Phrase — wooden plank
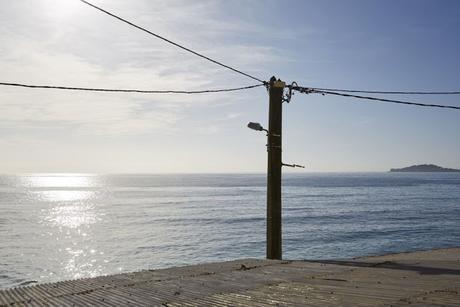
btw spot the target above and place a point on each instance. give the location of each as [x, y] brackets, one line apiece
[416, 279]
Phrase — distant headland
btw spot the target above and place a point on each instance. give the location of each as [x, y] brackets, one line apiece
[425, 168]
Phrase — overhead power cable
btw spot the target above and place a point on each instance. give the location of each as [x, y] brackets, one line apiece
[307, 90]
[172, 43]
[386, 92]
[130, 90]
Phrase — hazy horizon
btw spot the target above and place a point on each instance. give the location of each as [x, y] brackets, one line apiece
[285, 172]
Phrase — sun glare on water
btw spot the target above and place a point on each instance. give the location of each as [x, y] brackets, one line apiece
[70, 216]
[59, 181]
[70, 198]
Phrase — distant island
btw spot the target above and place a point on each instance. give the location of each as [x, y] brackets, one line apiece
[425, 168]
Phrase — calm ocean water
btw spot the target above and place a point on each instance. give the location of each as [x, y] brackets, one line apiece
[56, 227]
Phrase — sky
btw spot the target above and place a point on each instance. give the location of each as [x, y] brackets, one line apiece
[369, 44]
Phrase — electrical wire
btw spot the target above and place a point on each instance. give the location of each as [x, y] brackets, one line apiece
[386, 92]
[173, 43]
[130, 90]
[307, 90]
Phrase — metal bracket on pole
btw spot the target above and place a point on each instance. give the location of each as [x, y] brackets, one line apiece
[293, 165]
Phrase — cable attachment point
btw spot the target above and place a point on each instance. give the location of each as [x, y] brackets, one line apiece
[267, 85]
[293, 165]
[304, 90]
[287, 98]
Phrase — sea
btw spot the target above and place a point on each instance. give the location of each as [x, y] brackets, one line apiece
[66, 226]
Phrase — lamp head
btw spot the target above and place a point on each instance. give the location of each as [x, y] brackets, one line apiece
[256, 126]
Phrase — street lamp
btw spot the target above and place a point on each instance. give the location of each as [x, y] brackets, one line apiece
[257, 127]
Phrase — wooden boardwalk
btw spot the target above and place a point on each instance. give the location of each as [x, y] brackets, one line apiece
[430, 278]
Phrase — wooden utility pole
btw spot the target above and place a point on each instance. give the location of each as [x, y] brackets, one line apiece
[274, 241]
